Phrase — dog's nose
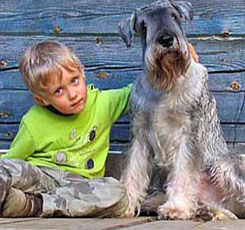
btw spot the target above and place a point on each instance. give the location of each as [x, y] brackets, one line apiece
[166, 40]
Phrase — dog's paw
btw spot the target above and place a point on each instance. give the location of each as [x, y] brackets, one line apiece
[203, 214]
[209, 213]
[169, 211]
[129, 212]
[152, 202]
[223, 214]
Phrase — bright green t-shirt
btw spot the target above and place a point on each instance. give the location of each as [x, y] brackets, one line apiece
[77, 143]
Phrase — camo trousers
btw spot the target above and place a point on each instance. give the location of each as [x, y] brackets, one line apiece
[63, 193]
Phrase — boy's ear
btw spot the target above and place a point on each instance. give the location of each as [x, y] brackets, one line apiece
[40, 100]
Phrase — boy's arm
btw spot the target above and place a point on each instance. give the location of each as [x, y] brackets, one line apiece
[22, 145]
[118, 100]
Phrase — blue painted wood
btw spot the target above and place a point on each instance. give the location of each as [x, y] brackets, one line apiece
[13, 104]
[111, 52]
[117, 78]
[8, 132]
[120, 135]
[90, 28]
[4, 144]
[233, 133]
[102, 16]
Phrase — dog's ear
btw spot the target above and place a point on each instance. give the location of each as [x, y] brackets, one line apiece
[184, 8]
[127, 29]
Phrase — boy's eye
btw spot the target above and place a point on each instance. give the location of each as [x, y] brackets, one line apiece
[75, 80]
[58, 91]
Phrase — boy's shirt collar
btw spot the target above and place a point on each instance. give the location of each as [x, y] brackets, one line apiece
[57, 112]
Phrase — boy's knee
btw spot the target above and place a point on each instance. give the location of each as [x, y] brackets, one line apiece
[5, 182]
[118, 191]
[113, 185]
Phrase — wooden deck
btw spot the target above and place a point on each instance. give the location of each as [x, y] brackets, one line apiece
[139, 223]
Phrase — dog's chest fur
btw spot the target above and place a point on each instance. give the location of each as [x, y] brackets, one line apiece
[168, 115]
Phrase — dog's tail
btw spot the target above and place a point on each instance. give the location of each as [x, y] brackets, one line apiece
[228, 174]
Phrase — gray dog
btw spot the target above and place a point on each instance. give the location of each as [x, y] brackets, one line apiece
[175, 123]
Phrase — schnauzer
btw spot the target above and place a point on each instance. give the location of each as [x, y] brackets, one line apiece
[175, 124]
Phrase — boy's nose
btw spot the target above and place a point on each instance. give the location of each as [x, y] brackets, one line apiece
[71, 94]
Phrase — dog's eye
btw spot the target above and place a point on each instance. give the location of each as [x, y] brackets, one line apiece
[140, 26]
[174, 17]
[143, 25]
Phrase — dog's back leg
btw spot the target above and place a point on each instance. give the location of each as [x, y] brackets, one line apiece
[228, 174]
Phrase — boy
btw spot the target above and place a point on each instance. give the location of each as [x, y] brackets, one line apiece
[57, 160]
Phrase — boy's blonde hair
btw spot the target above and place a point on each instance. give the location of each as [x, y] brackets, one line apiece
[42, 63]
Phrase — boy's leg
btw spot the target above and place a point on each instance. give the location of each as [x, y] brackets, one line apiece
[17, 179]
[24, 176]
[20, 204]
[78, 197]
[63, 194]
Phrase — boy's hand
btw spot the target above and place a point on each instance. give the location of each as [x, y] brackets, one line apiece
[193, 52]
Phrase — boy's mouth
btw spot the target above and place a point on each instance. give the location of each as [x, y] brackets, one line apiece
[79, 102]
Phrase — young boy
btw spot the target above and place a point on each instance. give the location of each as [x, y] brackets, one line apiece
[56, 163]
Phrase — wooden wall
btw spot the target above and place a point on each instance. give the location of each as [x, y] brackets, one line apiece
[90, 28]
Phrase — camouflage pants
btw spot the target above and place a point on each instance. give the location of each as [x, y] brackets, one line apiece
[63, 193]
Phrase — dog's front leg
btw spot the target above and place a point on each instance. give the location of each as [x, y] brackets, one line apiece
[182, 185]
[135, 177]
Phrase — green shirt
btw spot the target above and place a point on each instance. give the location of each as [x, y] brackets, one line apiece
[77, 143]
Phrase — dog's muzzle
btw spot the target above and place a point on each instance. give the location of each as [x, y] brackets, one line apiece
[166, 39]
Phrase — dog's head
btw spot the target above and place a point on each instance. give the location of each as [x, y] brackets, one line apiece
[165, 48]
[154, 21]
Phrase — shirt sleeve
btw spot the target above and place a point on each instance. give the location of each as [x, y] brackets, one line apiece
[118, 100]
[22, 145]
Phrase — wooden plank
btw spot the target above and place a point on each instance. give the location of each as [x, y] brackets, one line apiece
[16, 220]
[222, 82]
[190, 225]
[116, 159]
[102, 16]
[118, 149]
[77, 223]
[139, 223]
[120, 133]
[230, 106]
[116, 162]
[111, 53]
[14, 104]
[117, 78]
[234, 135]
[7, 133]
[12, 107]
[5, 144]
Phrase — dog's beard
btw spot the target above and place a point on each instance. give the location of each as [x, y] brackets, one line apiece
[164, 67]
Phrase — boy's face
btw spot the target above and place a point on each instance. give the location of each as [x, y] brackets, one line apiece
[69, 95]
